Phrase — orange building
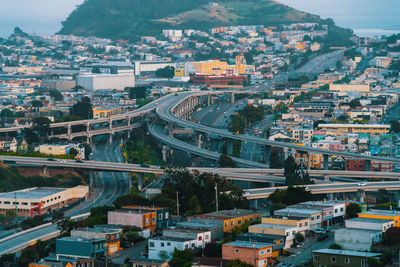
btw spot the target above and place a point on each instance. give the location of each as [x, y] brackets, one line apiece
[255, 253]
[231, 218]
[140, 217]
[382, 214]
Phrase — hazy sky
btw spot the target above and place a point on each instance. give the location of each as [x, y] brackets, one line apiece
[40, 16]
[45, 16]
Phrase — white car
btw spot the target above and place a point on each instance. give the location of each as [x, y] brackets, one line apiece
[361, 184]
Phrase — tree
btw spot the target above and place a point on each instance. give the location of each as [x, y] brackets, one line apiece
[41, 127]
[56, 95]
[137, 92]
[299, 237]
[166, 72]
[83, 109]
[226, 162]
[335, 246]
[395, 126]
[352, 210]
[238, 263]
[213, 249]
[130, 199]
[355, 103]
[37, 104]
[163, 255]
[73, 152]
[275, 160]
[249, 57]
[181, 258]
[133, 237]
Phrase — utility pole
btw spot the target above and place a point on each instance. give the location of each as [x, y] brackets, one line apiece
[177, 203]
[216, 196]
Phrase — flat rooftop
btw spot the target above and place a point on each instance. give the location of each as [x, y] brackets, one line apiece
[32, 193]
[273, 226]
[382, 212]
[230, 213]
[347, 252]
[247, 244]
[369, 220]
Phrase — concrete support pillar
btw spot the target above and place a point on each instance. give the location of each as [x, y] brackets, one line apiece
[110, 138]
[91, 179]
[308, 161]
[272, 184]
[361, 195]
[90, 140]
[326, 162]
[140, 177]
[110, 124]
[254, 203]
[229, 147]
[199, 141]
[87, 128]
[330, 196]
[69, 131]
[232, 98]
[164, 152]
[326, 178]
[129, 123]
[368, 165]
[45, 172]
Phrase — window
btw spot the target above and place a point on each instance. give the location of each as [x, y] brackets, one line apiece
[147, 220]
[269, 250]
[186, 246]
[168, 244]
[316, 258]
[226, 224]
[162, 244]
[151, 244]
[341, 209]
[312, 218]
[239, 222]
[166, 215]
[306, 224]
[262, 252]
[333, 259]
[318, 216]
[300, 225]
[192, 245]
[287, 233]
[206, 237]
[236, 250]
[160, 216]
[347, 260]
[232, 223]
[153, 219]
[336, 210]
[200, 238]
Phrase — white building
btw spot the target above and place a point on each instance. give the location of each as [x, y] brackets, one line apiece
[203, 237]
[93, 82]
[167, 245]
[143, 67]
[357, 239]
[369, 224]
[38, 200]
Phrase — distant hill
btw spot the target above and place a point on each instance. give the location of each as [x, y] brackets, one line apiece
[131, 19]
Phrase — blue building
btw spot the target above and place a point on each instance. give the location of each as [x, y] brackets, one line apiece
[79, 247]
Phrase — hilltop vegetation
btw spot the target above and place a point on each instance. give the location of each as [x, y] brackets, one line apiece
[127, 19]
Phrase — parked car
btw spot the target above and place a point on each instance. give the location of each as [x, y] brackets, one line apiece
[322, 237]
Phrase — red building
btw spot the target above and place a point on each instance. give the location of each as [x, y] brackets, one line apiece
[360, 165]
[203, 79]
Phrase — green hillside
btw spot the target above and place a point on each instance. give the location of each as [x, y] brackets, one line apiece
[130, 19]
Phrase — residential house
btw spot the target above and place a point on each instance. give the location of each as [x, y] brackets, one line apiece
[231, 218]
[338, 257]
[255, 253]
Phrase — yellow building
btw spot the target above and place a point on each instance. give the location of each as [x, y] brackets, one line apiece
[231, 218]
[101, 112]
[217, 67]
[53, 149]
[374, 129]
[316, 161]
[363, 88]
[382, 214]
